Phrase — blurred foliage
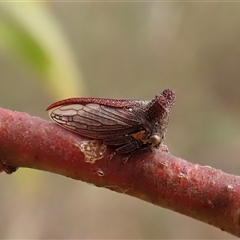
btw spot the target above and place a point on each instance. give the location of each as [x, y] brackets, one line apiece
[125, 50]
[30, 32]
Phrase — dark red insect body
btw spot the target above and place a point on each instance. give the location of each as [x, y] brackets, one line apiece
[130, 125]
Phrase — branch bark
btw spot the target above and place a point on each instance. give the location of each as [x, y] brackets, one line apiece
[200, 192]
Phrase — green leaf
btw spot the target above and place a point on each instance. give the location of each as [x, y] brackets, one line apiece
[30, 32]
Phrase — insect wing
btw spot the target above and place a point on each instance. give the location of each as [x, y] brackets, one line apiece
[95, 120]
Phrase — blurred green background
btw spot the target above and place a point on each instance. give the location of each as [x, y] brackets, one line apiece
[50, 51]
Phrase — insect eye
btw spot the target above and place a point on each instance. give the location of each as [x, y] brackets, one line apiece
[155, 140]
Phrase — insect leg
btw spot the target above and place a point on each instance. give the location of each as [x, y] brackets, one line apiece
[119, 141]
[127, 147]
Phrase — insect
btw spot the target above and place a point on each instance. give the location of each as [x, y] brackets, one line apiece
[132, 126]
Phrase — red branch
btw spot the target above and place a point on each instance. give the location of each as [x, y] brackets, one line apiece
[200, 192]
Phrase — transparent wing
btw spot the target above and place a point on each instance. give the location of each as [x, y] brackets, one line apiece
[95, 120]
